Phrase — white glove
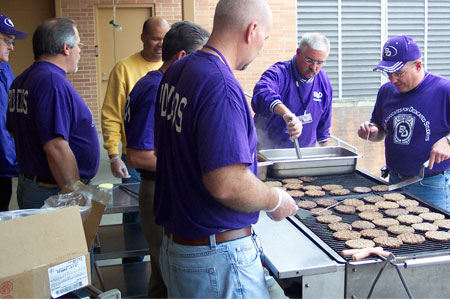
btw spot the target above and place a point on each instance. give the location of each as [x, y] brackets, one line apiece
[118, 168]
[285, 207]
[294, 126]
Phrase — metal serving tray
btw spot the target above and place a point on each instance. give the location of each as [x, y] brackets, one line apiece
[315, 161]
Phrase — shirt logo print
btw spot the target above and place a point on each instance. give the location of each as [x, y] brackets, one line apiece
[403, 128]
[317, 96]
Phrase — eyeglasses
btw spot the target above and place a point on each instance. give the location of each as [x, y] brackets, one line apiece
[397, 74]
[312, 61]
[80, 45]
[8, 41]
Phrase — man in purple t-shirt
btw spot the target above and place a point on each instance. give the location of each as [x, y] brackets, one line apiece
[182, 39]
[207, 195]
[295, 89]
[412, 115]
[53, 129]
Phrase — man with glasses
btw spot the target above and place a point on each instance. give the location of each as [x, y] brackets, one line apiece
[294, 97]
[8, 163]
[55, 135]
[412, 115]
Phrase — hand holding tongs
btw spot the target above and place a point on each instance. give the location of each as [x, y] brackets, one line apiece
[289, 118]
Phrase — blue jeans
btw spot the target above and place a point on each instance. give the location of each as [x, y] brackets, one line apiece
[435, 190]
[32, 194]
[228, 270]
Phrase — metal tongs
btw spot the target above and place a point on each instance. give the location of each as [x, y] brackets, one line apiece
[388, 257]
[303, 213]
[410, 180]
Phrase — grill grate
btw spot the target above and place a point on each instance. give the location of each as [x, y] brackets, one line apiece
[349, 181]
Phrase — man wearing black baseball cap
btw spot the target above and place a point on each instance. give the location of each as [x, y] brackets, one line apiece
[412, 115]
[8, 163]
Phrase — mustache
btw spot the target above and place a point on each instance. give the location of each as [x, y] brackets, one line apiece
[312, 71]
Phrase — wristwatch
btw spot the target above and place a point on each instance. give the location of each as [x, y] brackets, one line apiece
[448, 138]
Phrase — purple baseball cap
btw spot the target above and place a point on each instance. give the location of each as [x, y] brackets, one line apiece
[397, 51]
[7, 27]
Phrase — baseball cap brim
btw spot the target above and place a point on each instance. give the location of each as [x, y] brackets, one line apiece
[389, 66]
[19, 35]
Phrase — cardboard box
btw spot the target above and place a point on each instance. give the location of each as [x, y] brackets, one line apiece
[43, 255]
[92, 222]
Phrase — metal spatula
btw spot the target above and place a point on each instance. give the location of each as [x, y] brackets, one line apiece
[410, 180]
[303, 213]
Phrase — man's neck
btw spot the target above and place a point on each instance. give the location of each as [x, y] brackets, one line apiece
[56, 60]
[149, 58]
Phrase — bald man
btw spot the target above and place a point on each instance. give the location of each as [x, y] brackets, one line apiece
[207, 194]
[121, 81]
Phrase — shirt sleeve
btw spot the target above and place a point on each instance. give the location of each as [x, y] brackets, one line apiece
[53, 113]
[113, 110]
[323, 127]
[266, 94]
[224, 128]
[140, 116]
[377, 110]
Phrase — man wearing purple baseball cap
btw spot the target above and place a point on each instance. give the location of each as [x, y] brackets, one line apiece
[8, 163]
[412, 115]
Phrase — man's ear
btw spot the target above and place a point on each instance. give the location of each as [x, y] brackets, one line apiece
[65, 49]
[250, 32]
[180, 54]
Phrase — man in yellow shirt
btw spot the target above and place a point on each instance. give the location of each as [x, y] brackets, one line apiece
[121, 81]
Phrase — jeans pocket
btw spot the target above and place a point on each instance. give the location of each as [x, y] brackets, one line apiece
[435, 182]
[195, 282]
[246, 255]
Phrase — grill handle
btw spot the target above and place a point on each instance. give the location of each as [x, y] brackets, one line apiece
[427, 261]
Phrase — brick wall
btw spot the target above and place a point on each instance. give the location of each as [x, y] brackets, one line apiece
[82, 11]
[280, 46]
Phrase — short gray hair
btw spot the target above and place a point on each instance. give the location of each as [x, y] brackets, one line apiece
[316, 41]
[50, 36]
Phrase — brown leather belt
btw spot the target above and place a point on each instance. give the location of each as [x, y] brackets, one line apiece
[50, 180]
[433, 174]
[148, 175]
[222, 237]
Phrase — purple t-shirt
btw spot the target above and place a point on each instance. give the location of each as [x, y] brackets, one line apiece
[139, 116]
[202, 123]
[42, 106]
[8, 162]
[413, 121]
[309, 99]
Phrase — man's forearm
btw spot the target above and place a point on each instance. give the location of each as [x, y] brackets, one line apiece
[281, 109]
[141, 159]
[238, 188]
[62, 162]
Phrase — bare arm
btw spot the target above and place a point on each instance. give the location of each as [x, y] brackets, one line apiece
[62, 162]
[238, 188]
[373, 130]
[142, 159]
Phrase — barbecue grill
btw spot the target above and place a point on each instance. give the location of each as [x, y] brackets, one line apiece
[306, 261]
